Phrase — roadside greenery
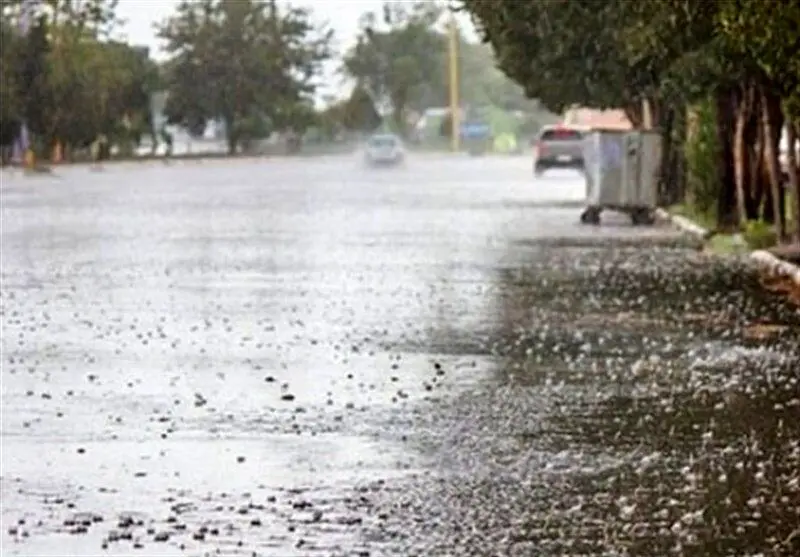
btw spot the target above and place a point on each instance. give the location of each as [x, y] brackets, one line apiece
[251, 64]
[68, 80]
[401, 58]
[720, 80]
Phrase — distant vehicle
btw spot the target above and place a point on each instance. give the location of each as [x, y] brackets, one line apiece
[558, 147]
[384, 150]
[476, 136]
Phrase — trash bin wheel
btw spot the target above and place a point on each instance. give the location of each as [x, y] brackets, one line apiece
[642, 217]
[590, 216]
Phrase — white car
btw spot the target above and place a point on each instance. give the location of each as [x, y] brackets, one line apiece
[384, 150]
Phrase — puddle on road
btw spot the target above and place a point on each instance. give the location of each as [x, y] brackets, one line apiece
[238, 493]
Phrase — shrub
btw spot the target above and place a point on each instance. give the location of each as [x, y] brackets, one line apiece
[760, 235]
[701, 149]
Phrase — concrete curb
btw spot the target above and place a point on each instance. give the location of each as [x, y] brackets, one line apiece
[764, 260]
[683, 224]
[775, 266]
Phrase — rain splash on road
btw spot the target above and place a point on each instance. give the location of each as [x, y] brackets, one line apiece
[312, 358]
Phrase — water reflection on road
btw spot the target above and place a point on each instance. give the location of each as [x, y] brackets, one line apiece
[288, 358]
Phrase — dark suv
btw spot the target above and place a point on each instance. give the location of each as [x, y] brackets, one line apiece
[558, 147]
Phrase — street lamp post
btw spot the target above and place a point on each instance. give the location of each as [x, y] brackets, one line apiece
[455, 116]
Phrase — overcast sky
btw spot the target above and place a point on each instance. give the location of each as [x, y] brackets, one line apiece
[141, 15]
[341, 15]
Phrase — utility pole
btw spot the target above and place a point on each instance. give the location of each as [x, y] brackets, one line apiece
[455, 116]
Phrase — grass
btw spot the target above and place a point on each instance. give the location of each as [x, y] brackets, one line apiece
[706, 219]
[727, 244]
[755, 235]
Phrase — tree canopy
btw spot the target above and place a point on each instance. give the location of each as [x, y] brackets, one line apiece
[242, 60]
[400, 60]
[252, 64]
[66, 79]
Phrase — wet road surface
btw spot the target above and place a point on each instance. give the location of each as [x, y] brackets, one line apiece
[312, 358]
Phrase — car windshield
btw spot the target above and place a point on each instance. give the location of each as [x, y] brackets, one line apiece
[383, 141]
[561, 134]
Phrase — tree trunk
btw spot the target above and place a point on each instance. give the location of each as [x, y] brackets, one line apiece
[771, 122]
[740, 152]
[692, 129]
[679, 129]
[726, 197]
[399, 105]
[651, 113]
[757, 184]
[671, 176]
[792, 171]
[760, 187]
[768, 210]
[633, 111]
[231, 134]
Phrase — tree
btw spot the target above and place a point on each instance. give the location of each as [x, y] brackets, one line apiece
[398, 58]
[67, 80]
[358, 112]
[587, 53]
[110, 81]
[766, 40]
[484, 84]
[10, 100]
[401, 60]
[232, 59]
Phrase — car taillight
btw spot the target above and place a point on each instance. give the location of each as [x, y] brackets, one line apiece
[539, 148]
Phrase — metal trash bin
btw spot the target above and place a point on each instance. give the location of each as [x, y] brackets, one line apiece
[621, 174]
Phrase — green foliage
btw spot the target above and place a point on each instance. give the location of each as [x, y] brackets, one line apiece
[604, 54]
[68, 81]
[546, 48]
[10, 100]
[484, 84]
[701, 151]
[727, 244]
[233, 59]
[398, 58]
[359, 112]
[760, 235]
[253, 126]
[401, 61]
[690, 211]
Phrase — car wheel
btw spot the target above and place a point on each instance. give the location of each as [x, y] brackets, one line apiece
[538, 170]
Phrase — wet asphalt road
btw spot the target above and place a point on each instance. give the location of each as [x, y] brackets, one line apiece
[290, 357]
